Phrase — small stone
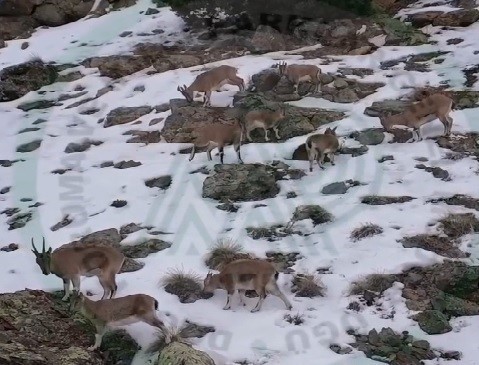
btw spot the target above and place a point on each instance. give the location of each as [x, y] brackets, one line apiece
[126, 164]
[11, 247]
[29, 147]
[162, 182]
[151, 11]
[386, 158]
[118, 203]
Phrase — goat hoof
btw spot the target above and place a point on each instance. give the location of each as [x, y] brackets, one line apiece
[65, 298]
[91, 348]
[254, 310]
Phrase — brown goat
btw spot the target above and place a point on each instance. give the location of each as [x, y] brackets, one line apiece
[212, 80]
[422, 112]
[71, 262]
[246, 274]
[320, 145]
[116, 312]
[218, 135]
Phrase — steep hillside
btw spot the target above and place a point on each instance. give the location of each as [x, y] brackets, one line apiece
[95, 139]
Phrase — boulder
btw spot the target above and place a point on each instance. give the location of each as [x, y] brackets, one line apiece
[17, 7]
[457, 18]
[18, 80]
[185, 118]
[123, 115]
[433, 322]
[245, 182]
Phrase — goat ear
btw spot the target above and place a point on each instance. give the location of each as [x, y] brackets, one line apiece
[178, 88]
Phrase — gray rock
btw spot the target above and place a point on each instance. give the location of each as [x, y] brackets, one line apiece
[125, 115]
[19, 220]
[82, 146]
[126, 164]
[338, 187]
[30, 146]
[267, 39]
[146, 248]
[266, 80]
[386, 106]
[433, 322]
[316, 213]
[162, 182]
[63, 223]
[369, 137]
[245, 182]
[18, 80]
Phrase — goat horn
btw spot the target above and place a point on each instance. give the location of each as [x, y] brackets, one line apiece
[34, 248]
[43, 244]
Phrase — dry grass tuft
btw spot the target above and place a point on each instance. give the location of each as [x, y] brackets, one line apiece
[296, 319]
[186, 285]
[171, 334]
[366, 230]
[177, 277]
[225, 251]
[376, 283]
[307, 285]
[457, 225]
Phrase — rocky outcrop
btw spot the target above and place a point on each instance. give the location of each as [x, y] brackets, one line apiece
[18, 80]
[248, 182]
[457, 18]
[37, 328]
[123, 115]
[185, 118]
[334, 88]
[394, 348]
[439, 292]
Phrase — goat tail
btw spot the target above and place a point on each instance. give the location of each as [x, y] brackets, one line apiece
[156, 305]
[276, 275]
[309, 144]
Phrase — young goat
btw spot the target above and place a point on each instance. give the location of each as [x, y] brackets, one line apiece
[297, 73]
[320, 145]
[71, 262]
[212, 80]
[265, 119]
[246, 274]
[218, 135]
[121, 311]
[428, 109]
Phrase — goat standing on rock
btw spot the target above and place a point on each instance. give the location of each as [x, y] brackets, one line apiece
[212, 80]
[425, 111]
[71, 262]
[297, 73]
[116, 312]
[218, 135]
[265, 119]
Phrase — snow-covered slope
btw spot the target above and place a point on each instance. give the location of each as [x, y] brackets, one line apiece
[194, 223]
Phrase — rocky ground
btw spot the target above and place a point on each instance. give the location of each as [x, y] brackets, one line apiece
[379, 251]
